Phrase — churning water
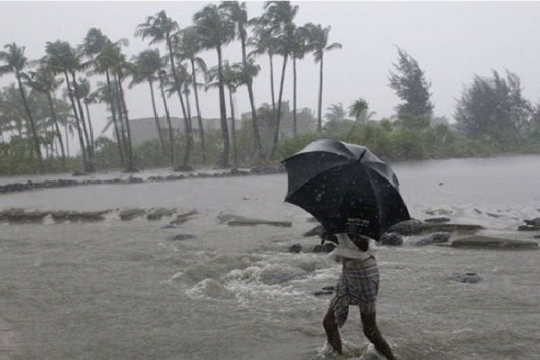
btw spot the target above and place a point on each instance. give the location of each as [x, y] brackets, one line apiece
[126, 290]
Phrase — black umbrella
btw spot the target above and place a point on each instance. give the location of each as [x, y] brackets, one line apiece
[345, 187]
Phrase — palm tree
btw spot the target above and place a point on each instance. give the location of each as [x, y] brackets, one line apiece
[216, 31]
[44, 81]
[318, 43]
[187, 49]
[335, 112]
[61, 58]
[15, 62]
[359, 110]
[162, 28]
[237, 14]
[85, 93]
[298, 51]
[163, 81]
[279, 17]
[146, 67]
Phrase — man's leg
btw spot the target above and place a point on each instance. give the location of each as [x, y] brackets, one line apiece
[332, 332]
[372, 333]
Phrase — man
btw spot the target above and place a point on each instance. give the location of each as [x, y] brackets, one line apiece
[358, 285]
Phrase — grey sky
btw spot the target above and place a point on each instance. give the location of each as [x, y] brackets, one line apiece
[451, 41]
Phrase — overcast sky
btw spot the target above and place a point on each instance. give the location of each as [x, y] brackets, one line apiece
[451, 41]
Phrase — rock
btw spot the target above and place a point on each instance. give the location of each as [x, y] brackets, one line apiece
[236, 172]
[327, 247]
[478, 211]
[268, 169]
[322, 292]
[135, 180]
[4, 214]
[184, 217]
[233, 220]
[435, 212]
[317, 230]
[79, 173]
[157, 214]
[435, 238]
[493, 215]
[25, 217]
[171, 226]
[131, 214]
[295, 248]
[536, 236]
[437, 220]
[87, 215]
[407, 228]
[180, 237]
[528, 228]
[460, 228]
[468, 277]
[391, 239]
[329, 288]
[533, 222]
[487, 242]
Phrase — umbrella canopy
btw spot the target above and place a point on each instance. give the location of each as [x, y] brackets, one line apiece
[345, 187]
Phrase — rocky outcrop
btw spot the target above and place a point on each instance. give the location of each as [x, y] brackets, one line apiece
[234, 220]
[437, 220]
[157, 214]
[391, 239]
[26, 217]
[131, 214]
[487, 242]
[415, 227]
[407, 228]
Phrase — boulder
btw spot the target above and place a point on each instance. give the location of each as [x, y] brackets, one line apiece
[233, 220]
[435, 238]
[533, 222]
[459, 228]
[536, 236]
[437, 220]
[391, 239]
[467, 278]
[528, 228]
[87, 215]
[407, 228]
[131, 214]
[488, 242]
[295, 248]
[327, 247]
[25, 217]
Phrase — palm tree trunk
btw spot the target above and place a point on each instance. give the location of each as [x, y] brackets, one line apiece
[32, 125]
[156, 117]
[77, 122]
[199, 118]
[224, 161]
[58, 133]
[131, 165]
[168, 116]
[121, 118]
[278, 117]
[115, 122]
[294, 97]
[90, 151]
[91, 128]
[233, 129]
[319, 108]
[67, 139]
[254, 120]
[271, 57]
[187, 122]
[188, 108]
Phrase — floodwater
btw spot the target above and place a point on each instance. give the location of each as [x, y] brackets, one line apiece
[125, 290]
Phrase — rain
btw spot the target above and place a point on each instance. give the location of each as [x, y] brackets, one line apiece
[219, 180]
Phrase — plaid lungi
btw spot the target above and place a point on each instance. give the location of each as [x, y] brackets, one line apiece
[358, 285]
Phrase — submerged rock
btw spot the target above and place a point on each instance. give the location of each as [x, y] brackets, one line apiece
[26, 217]
[180, 237]
[487, 242]
[533, 222]
[295, 248]
[184, 217]
[327, 247]
[391, 239]
[131, 214]
[435, 238]
[407, 228]
[157, 214]
[233, 220]
[528, 228]
[468, 277]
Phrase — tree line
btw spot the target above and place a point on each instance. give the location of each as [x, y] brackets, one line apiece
[65, 67]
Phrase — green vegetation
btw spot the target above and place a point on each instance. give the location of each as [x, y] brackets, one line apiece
[49, 101]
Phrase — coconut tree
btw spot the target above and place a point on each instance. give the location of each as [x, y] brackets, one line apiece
[163, 81]
[61, 59]
[44, 81]
[319, 45]
[215, 31]
[14, 61]
[237, 14]
[161, 28]
[188, 48]
[146, 66]
[279, 18]
[360, 111]
[87, 97]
